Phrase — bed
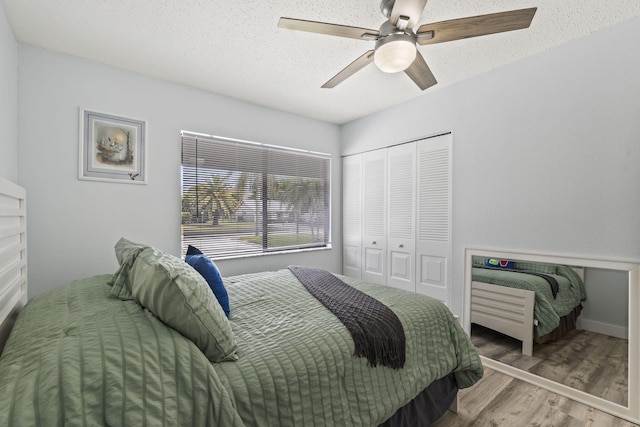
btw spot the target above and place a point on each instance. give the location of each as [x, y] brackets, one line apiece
[13, 255]
[151, 345]
[529, 301]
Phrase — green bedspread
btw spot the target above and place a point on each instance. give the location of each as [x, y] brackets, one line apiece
[79, 356]
[547, 310]
[280, 328]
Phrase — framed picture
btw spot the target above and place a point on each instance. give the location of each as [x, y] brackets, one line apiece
[112, 148]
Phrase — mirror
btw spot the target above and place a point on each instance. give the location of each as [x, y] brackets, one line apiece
[567, 324]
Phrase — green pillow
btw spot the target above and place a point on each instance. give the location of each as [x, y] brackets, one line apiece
[536, 267]
[478, 261]
[180, 297]
[125, 249]
[126, 253]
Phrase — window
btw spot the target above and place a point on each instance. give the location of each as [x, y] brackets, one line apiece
[242, 198]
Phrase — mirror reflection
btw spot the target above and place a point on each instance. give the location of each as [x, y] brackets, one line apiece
[579, 315]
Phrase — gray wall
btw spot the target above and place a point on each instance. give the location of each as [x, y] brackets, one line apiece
[608, 296]
[74, 224]
[546, 151]
[545, 154]
[8, 100]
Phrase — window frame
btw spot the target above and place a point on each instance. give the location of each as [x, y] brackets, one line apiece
[277, 164]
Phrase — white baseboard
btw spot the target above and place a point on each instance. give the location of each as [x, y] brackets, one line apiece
[615, 331]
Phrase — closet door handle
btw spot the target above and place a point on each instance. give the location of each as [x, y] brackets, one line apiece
[374, 242]
[401, 245]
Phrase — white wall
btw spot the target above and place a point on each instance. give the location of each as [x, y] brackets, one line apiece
[74, 224]
[546, 151]
[8, 100]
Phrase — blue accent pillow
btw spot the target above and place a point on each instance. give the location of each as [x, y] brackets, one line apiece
[203, 265]
[501, 263]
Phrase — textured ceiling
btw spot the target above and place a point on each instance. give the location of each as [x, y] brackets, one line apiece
[235, 48]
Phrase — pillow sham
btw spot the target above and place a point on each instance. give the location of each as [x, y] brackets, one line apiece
[208, 269]
[478, 261]
[126, 253]
[536, 267]
[126, 248]
[180, 297]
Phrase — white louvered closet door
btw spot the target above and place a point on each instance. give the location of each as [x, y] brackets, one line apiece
[433, 246]
[374, 212]
[401, 217]
[352, 216]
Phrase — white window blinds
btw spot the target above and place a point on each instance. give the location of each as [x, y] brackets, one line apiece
[241, 198]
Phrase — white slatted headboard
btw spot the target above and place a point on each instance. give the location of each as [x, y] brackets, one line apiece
[13, 255]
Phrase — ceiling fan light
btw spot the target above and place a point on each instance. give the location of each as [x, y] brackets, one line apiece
[395, 56]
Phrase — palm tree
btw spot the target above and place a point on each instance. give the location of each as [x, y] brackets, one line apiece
[304, 195]
[254, 185]
[220, 197]
[215, 198]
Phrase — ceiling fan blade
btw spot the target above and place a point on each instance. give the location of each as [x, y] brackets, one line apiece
[474, 26]
[330, 29]
[412, 9]
[420, 73]
[349, 70]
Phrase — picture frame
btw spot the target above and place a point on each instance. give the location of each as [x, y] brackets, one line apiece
[112, 148]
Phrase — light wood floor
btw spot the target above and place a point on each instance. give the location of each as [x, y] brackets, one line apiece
[499, 400]
[584, 360]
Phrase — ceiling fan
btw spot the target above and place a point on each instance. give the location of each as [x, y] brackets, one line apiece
[395, 49]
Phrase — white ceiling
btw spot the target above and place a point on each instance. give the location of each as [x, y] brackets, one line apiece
[234, 48]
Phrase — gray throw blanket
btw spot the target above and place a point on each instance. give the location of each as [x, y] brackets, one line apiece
[377, 332]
